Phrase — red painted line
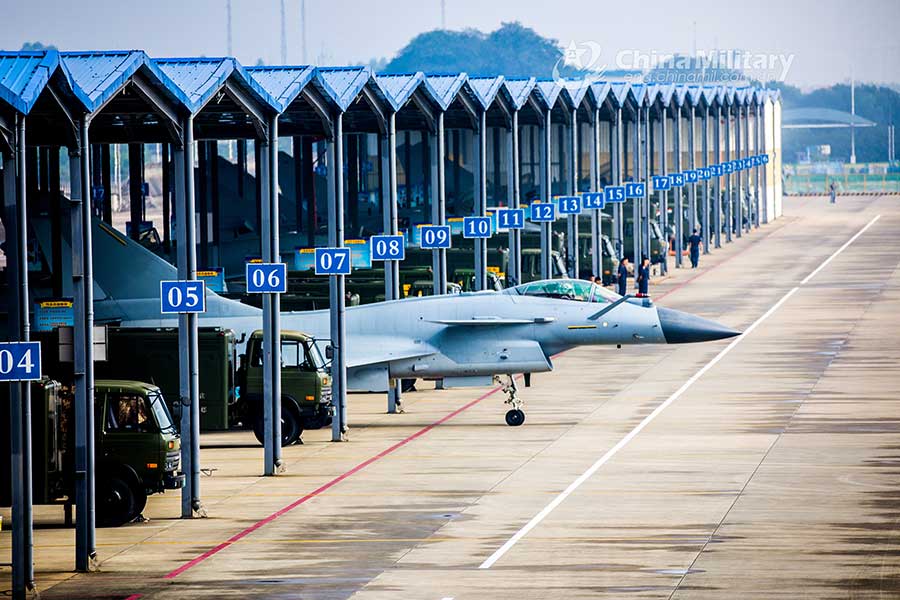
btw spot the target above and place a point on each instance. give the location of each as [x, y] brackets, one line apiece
[303, 499]
[134, 597]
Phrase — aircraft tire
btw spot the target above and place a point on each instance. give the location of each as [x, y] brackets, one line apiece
[515, 417]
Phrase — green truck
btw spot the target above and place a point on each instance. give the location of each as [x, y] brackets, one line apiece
[230, 385]
[137, 451]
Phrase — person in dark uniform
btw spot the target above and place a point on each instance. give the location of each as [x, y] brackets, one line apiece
[622, 276]
[643, 277]
[695, 240]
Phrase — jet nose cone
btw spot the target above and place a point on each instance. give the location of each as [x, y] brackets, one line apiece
[684, 328]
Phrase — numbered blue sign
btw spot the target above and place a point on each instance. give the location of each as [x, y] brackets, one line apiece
[765, 159]
[542, 212]
[181, 297]
[20, 361]
[690, 176]
[716, 170]
[615, 193]
[387, 247]
[477, 227]
[511, 218]
[736, 165]
[677, 179]
[704, 173]
[747, 163]
[569, 205]
[332, 261]
[435, 237]
[634, 189]
[728, 167]
[592, 200]
[661, 183]
[266, 278]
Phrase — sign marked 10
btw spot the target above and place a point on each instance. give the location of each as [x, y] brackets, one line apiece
[477, 227]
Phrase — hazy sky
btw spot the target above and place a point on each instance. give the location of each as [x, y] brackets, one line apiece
[828, 38]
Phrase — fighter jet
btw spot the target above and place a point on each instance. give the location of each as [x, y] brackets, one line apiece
[464, 339]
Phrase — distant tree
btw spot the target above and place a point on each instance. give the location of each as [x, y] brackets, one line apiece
[512, 50]
[37, 46]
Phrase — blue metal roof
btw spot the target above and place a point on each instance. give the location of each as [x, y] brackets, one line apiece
[100, 75]
[24, 75]
[519, 90]
[485, 89]
[601, 91]
[548, 92]
[681, 95]
[640, 93]
[283, 84]
[666, 91]
[620, 91]
[397, 88]
[342, 84]
[577, 89]
[444, 87]
[198, 79]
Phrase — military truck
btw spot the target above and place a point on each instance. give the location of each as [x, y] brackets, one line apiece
[137, 450]
[230, 385]
[305, 386]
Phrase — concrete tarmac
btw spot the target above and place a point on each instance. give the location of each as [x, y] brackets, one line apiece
[775, 472]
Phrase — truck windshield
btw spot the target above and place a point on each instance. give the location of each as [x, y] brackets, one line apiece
[161, 412]
[313, 355]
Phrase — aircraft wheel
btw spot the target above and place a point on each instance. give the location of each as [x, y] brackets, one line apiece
[515, 417]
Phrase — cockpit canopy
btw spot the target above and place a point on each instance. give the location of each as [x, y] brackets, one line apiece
[576, 290]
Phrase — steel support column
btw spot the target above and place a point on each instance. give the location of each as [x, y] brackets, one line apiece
[336, 284]
[645, 199]
[546, 194]
[616, 160]
[717, 181]
[739, 173]
[271, 253]
[389, 215]
[188, 366]
[514, 270]
[636, 226]
[480, 152]
[664, 194]
[597, 214]
[692, 165]
[678, 213]
[765, 175]
[704, 183]
[729, 199]
[750, 212]
[15, 198]
[572, 220]
[439, 204]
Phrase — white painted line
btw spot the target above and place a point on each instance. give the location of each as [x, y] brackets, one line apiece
[839, 250]
[487, 564]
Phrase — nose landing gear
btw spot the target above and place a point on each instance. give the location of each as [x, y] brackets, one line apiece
[515, 416]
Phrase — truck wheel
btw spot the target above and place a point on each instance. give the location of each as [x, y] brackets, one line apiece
[119, 501]
[291, 428]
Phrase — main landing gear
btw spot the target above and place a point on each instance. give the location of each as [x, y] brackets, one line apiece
[515, 416]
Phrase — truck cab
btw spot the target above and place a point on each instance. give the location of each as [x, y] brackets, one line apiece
[305, 385]
[138, 449]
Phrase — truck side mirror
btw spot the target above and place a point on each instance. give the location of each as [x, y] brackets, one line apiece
[329, 352]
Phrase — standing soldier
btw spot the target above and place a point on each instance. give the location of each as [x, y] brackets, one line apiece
[643, 278]
[832, 190]
[695, 240]
[622, 276]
